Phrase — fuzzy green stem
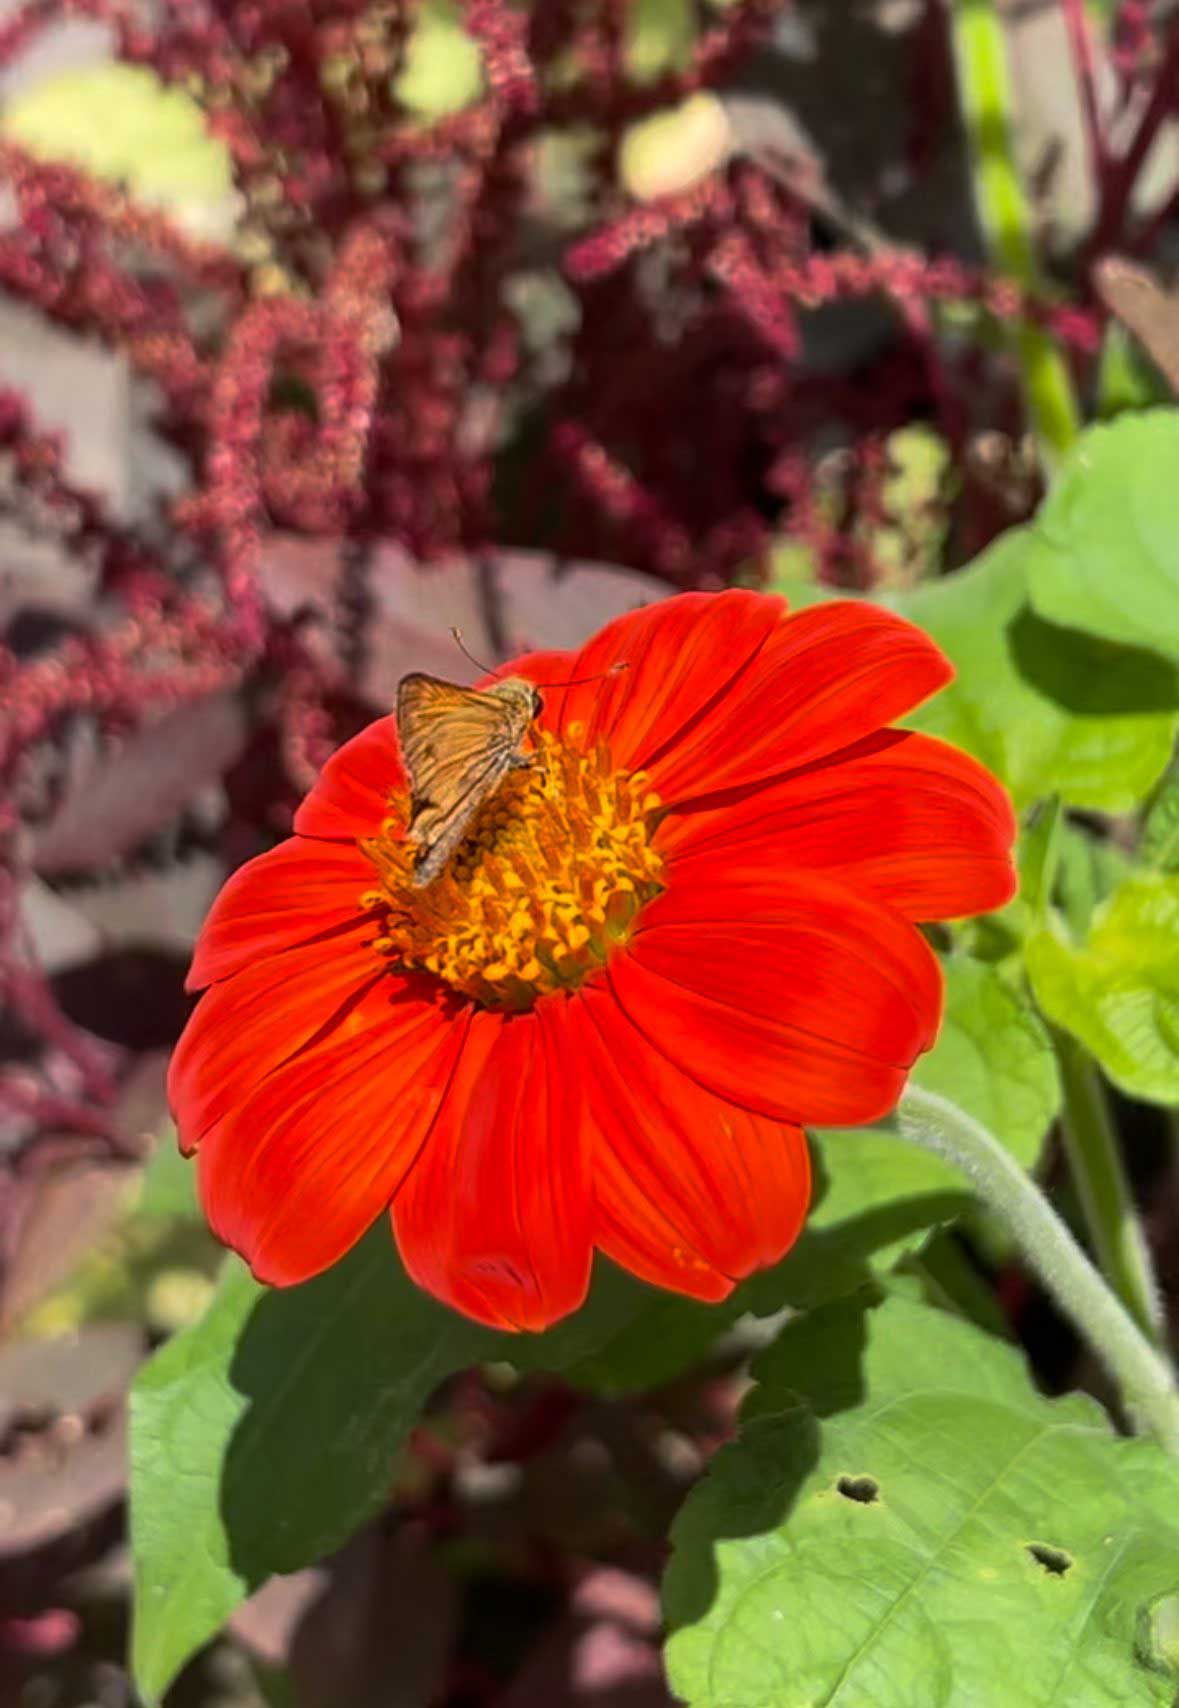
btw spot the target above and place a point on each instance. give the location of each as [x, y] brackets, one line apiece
[1145, 1380]
[1095, 1162]
[984, 86]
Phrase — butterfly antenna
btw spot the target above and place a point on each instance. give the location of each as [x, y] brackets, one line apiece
[457, 636]
[573, 682]
[599, 676]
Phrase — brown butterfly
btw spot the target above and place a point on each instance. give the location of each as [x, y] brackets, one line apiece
[458, 745]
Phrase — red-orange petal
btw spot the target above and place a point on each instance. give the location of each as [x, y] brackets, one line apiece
[787, 994]
[350, 797]
[682, 657]
[827, 677]
[691, 1192]
[908, 819]
[305, 1165]
[244, 1027]
[297, 891]
[494, 1218]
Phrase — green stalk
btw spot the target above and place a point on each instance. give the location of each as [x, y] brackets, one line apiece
[1095, 1162]
[984, 88]
[1144, 1378]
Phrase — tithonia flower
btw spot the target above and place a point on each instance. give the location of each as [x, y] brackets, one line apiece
[686, 931]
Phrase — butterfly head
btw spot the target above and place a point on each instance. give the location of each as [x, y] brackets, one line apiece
[521, 697]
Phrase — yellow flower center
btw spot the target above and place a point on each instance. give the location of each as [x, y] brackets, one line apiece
[546, 883]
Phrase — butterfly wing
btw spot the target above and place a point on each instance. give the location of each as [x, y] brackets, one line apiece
[457, 744]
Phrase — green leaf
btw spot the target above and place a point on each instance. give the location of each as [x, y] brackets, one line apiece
[1039, 856]
[285, 1408]
[875, 1198]
[928, 1531]
[1102, 553]
[937, 1550]
[1160, 834]
[1050, 710]
[263, 1436]
[1090, 869]
[849, 1351]
[993, 1058]
[1119, 993]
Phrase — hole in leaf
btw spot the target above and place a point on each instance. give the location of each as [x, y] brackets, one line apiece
[863, 1489]
[1054, 1560]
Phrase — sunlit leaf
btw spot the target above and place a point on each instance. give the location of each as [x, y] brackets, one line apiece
[1102, 553]
[263, 1436]
[286, 1408]
[852, 1350]
[993, 1058]
[1039, 856]
[1119, 992]
[1090, 868]
[927, 1532]
[1049, 709]
[1160, 834]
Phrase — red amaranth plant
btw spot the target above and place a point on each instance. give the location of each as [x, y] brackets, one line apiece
[357, 366]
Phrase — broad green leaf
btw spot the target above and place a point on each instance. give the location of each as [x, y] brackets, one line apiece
[927, 1550]
[875, 1197]
[1160, 833]
[263, 1436]
[442, 70]
[1103, 553]
[121, 123]
[944, 1271]
[849, 1351]
[1119, 993]
[993, 1058]
[869, 1538]
[285, 1409]
[1050, 710]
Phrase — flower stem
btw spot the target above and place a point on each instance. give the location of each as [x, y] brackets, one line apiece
[984, 86]
[1121, 175]
[1079, 27]
[1096, 1166]
[1146, 1381]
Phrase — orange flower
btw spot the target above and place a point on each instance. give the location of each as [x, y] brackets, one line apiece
[687, 932]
